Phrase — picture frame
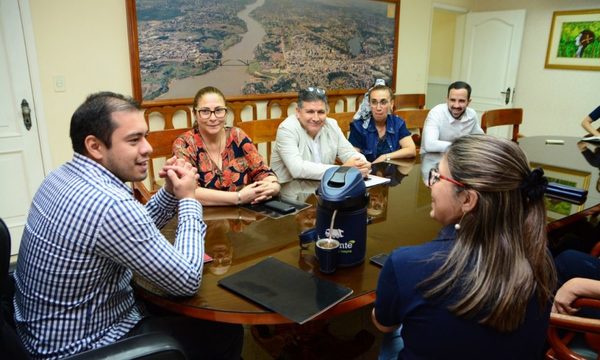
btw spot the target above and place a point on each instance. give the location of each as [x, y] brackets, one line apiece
[177, 47]
[555, 208]
[574, 40]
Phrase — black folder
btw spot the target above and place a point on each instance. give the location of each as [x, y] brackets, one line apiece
[298, 295]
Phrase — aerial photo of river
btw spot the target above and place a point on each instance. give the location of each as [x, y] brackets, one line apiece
[231, 77]
[263, 46]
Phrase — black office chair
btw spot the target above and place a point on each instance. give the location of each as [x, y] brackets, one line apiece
[153, 346]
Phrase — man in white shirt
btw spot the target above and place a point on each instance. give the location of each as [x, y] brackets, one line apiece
[447, 122]
[308, 142]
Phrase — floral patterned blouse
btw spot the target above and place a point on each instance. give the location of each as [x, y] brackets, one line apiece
[242, 164]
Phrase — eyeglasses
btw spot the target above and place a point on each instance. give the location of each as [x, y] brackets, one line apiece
[435, 176]
[206, 113]
[315, 90]
[374, 102]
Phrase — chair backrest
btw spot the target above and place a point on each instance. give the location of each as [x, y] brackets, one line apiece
[4, 252]
[10, 344]
[501, 117]
[565, 329]
[344, 119]
[162, 145]
[415, 120]
[415, 101]
[262, 131]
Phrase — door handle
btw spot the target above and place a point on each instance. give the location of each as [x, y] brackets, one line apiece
[26, 112]
[506, 96]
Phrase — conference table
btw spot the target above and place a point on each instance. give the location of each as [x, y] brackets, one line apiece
[398, 215]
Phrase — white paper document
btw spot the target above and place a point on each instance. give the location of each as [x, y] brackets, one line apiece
[373, 180]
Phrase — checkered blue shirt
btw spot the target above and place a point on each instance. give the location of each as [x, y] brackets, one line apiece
[84, 236]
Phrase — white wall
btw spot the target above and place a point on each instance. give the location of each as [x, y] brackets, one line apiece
[413, 43]
[554, 101]
[86, 42]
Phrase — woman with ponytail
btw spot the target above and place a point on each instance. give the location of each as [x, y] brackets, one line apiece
[483, 288]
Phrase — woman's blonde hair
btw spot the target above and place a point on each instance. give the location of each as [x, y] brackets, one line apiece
[500, 256]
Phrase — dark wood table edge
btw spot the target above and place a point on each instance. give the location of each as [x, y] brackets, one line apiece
[250, 318]
[573, 218]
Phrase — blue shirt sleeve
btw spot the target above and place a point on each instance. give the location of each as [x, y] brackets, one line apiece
[595, 115]
[356, 138]
[403, 130]
[388, 297]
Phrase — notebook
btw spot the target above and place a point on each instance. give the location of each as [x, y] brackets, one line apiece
[298, 295]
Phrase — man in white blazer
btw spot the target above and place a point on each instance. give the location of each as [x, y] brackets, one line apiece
[308, 142]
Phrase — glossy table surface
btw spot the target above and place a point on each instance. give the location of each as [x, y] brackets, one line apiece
[399, 216]
[238, 238]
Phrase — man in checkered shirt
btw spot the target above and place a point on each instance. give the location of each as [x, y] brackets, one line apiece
[86, 235]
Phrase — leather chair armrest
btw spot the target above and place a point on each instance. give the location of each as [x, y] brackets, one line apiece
[151, 346]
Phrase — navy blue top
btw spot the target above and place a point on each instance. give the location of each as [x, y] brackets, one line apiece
[429, 330]
[367, 139]
[595, 115]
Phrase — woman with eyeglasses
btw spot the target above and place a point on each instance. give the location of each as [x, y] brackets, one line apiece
[378, 133]
[230, 169]
[483, 289]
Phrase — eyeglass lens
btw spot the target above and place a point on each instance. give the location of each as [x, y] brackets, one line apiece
[374, 102]
[206, 113]
[433, 176]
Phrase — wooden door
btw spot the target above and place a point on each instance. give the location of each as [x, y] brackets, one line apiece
[490, 59]
[20, 154]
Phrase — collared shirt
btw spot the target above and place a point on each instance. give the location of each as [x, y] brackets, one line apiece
[84, 237]
[441, 129]
[292, 156]
[367, 140]
[241, 163]
[316, 148]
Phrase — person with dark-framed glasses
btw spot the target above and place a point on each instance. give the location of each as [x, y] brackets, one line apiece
[308, 142]
[231, 170]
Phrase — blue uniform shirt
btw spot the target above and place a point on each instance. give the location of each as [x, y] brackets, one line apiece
[367, 140]
[429, 329]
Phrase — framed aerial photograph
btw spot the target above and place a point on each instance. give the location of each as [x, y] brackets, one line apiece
[259, 46]
[574, 41]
